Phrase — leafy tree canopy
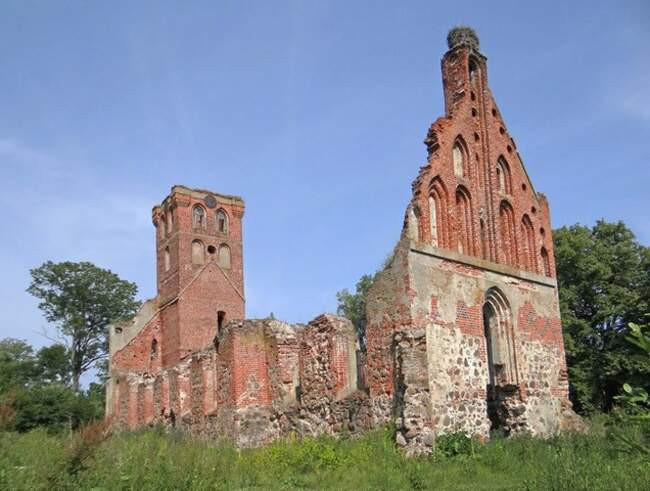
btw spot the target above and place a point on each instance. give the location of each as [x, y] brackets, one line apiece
[18, 365]
[82, 300]
[35, 389]
[604, 284]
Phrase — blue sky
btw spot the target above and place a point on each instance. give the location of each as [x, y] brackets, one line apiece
[314, 112]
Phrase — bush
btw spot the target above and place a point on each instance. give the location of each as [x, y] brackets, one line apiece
[53, 407]
[454, 444]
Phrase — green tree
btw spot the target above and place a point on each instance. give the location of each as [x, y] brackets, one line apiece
[604, 284]
[635, 402]
[82, 300]
[35, 389]
[18, 366]
[353, 306]
[53, 364]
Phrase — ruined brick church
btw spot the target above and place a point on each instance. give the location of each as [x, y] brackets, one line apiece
[463, 323]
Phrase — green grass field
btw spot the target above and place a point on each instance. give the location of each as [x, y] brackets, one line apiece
[154, 459]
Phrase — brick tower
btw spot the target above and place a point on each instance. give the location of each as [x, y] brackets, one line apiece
[200, 282]
[464, 328]
[199, 268]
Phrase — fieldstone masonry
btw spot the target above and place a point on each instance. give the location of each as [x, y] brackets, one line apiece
[463, 324]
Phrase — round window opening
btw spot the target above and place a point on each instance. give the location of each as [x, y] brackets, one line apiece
[212, 249]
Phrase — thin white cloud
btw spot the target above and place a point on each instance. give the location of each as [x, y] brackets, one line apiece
[15, 153]
[80, 214]
[634, 95]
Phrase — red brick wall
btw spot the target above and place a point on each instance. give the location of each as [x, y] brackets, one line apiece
[170, 335]
[473, 118]
[339, 360]
[250, 376]
[546, 330]
[200, 290]
[137, 355]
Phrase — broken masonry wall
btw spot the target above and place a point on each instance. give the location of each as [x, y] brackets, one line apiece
[133, 349]
[330, 401]
[254, 370]
[387, 311]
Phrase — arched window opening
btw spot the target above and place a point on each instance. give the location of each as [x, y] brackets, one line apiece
[222, 222]
[433, 218]
[413, 224]
[507, 228]
[438, 214]
[224, 256]
[504, 179]
[465, 234]
[154, 349]
[500, 347]
[167, 259]
[460, 158]
[163, 222]
[457, 156]
[198, 217]
[483, 239]
[473, 71]
[198, 252]
[546, 262]
[530, 251]
[221, 318]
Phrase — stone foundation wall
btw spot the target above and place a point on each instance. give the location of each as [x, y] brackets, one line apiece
[438, 352]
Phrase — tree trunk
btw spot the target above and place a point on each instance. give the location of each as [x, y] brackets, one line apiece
[75, 380]
[76, 369]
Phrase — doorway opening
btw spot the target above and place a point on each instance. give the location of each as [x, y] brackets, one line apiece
[501, 363]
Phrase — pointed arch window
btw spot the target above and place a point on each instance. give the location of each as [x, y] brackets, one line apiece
[499, 334]
[507, 229]
[546, 262]
[483, 232]
[504, 178]
[224, 256]
[472, 69]
[198, 217]
[465, 230]
[460, 158]
[222, 222]
[198, 252]
[413, 223]
[530, 251]
[433, 219]
[438, 213]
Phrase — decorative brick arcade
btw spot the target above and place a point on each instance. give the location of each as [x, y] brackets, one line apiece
[463, 329]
